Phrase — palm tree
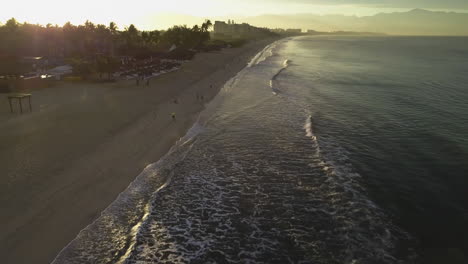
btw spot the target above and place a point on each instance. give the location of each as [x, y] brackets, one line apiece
[10, 39]
[132, 30]
[206, 25]
[113, 28]
[131, 37]
[104, 37]
[113, 31]
[205, 35]
[89, 25]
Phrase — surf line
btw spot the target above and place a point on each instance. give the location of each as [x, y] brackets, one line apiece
[275, 90]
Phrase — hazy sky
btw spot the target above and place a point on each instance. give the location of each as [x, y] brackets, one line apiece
[148, 14]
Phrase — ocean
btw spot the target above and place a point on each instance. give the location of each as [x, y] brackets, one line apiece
[326, 149]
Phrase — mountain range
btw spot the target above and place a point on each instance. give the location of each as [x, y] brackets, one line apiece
[413, 22]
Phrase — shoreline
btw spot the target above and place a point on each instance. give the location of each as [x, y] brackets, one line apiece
[116, 130]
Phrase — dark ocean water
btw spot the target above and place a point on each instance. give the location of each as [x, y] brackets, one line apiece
[322, 150]
[397, 106]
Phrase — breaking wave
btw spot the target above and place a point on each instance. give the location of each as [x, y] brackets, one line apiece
[245, 185]
[274, 89]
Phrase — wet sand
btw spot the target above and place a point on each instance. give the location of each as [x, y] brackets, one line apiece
[82, 145]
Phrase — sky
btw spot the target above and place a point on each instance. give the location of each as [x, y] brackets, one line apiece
[151, 14]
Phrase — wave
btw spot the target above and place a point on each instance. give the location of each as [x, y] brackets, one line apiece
[187, 140]
[262, 55]
[365, 217]
[224, 186]
[218, 197]
[286, 64]
[112, 236]
[267, 52]
[308, 128]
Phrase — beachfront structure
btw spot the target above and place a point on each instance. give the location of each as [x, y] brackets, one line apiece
[279, 30]
[233, 30]
[294, 30]
[35, 62]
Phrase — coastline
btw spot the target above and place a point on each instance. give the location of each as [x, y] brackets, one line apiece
[74, 159]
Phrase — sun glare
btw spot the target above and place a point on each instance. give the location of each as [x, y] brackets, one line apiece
[140, 12]
[151, 14]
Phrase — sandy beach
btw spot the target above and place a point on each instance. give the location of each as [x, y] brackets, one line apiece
[83, 143]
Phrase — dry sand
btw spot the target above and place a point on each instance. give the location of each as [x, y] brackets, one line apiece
[65, 162]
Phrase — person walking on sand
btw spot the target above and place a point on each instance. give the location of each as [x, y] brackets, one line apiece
[173, 116]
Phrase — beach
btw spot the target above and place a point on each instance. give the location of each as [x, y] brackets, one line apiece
[83, 143]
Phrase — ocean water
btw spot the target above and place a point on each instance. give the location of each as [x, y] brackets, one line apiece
[322, 150]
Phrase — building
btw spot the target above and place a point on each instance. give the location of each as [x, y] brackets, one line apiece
[278, 30]
[294, 30]
[233, 30]
[35, 63]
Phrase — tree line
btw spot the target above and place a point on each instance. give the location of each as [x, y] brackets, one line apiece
[91, 43]
[24, 39]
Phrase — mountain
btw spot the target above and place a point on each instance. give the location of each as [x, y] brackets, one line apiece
[414, 22]
[421, 22]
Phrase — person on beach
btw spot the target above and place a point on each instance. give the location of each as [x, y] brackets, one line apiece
[173, 116]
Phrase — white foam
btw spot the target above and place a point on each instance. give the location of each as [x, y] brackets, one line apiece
[274, 89]
[141, 184]
[263, 55]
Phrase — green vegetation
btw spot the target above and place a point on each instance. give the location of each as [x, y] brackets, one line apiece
[11, 66]
[217, 44]
[93, 48]
[235, 43]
